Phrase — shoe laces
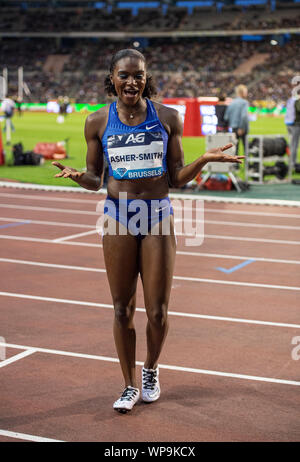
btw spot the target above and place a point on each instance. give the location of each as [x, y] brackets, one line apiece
[128, 394]
[149, 379]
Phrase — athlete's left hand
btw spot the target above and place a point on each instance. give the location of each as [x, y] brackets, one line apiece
[218, 155]
[67, 172]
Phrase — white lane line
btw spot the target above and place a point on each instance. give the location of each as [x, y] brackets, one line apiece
[212, 198]
[74, 236]
[206, 236]
[162, 366]
[17, 357]
[237, 257]
[50, 198]
[68, 199]
[179, 252]
[59, 210]
[50, 223]
[142, 310]
[180, 278]
[237, 200]
[46, 241]
[52, 265]
[26, 437]
[236, 223]
[49, 209]
[249, 239]
[179, 219]
[102, 195]
[253, 213]
[237, 283]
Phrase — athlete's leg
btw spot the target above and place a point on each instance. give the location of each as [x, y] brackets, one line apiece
[157, 258]
[121, 260]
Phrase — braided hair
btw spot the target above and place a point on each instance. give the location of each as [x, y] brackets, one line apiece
[150, 88]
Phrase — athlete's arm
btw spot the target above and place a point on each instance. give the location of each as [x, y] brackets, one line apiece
[92, 178]
[179, 173]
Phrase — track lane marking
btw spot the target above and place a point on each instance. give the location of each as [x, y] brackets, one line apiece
[50, 223]
[180, 278]
[12, 225]
[206, 236]
[237, 257]
[237, 223]
[235, 268]
[179, 219]
[26, 437]
[180, 196]
[142, 310]
[162, 366]
[17, 357]
[179, 252]
[74, 236]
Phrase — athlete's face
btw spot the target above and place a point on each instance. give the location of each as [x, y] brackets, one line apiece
[129, 79]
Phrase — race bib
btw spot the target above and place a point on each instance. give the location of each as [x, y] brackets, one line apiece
[136, 155]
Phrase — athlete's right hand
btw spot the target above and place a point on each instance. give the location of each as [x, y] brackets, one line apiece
[67, 172]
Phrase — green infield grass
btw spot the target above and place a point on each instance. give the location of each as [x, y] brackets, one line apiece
[31, 128]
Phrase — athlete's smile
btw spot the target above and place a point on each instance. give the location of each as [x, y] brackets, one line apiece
[130, 92]
[129, 79]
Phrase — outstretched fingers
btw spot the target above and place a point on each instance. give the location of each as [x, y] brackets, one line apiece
[61, 167]
[57, 164]
[227, 146]
[236, 159]
[67, 172]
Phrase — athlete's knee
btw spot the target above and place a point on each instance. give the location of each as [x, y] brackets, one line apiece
[123, 313]
[158, 315]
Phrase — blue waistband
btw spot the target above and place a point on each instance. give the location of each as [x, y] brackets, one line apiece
[139, 216]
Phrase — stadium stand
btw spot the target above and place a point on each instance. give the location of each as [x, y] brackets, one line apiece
[211, 46]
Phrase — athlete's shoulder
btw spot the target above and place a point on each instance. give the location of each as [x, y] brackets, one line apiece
[169, 117]
[99, 115]
[97, 121]
[162, 108]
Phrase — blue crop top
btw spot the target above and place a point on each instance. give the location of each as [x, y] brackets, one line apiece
[137, 151]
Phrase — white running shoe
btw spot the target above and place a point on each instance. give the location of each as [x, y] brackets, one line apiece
[150, 387]
[127, 400]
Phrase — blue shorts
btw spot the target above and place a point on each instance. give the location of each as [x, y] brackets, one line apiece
[138, 216]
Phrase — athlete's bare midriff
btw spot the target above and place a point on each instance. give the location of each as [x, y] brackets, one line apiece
[148, 188]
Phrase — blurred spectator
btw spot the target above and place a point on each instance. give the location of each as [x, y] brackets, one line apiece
[295, 132]
[289, 118]
[186, 73]
[236, 115]
[221, 107]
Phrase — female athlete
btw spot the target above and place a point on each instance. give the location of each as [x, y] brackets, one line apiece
[142, 143]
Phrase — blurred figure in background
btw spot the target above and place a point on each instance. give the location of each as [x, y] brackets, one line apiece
[18, 104]
[289, 117]
[295, 132]
[61, 103]
[8, 107]
[221, 107]
[236, 115]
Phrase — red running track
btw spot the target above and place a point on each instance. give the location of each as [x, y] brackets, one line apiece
[230, 369]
